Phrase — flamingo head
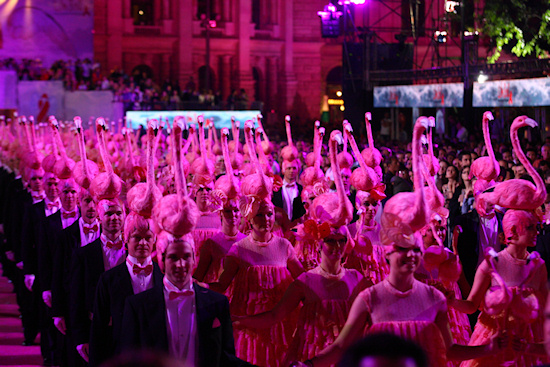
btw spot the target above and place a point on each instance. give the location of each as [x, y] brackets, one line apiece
[488, 116]
[490, 253]
[523, 121]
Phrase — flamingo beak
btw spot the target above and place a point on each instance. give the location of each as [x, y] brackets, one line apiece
[530, 122]
[489, 116]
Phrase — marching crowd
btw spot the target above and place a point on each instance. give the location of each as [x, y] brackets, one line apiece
[224, 248]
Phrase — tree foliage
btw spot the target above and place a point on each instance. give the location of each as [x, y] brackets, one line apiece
[518, 26]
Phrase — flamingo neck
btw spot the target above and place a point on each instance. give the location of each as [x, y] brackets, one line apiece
[341, 192]
[369, 134]
[150, 161]
[226, 159]
[82, 148]
[104, 154]
[288, 133]
[357, 153]
[540, 186]
[489, 144]
[317, 154]
[417, 167]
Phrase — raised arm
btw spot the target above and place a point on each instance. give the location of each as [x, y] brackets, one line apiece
[482, 282]
[230, 269]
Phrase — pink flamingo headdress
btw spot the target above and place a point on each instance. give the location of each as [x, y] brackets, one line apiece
[289, 152]
[333, 207]
[32, 157]
[202, 169]
[518, 193]
[371, 155]
[314, 173]
[266, 145]
[176, 213]
[256, 187]
[143, 196]
[430, 160]
[310, 157]
[345, 160]
[363, 178]
[227, 187]
[84, 170]
[486, 168]
[63, 167]
[405, 213]
[106, 185]
[49, 161]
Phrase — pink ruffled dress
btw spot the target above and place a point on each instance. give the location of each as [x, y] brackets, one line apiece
[373, 266]
[409, 314]
[458, 321]
[513, 271]
[326, 305]
[259, 285]
[208, 225]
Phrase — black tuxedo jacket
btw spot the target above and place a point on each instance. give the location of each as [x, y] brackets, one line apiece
[113, 288]
[33, 236]
[468, 241]
[68, 240]
[47, 249]
[298, 209]
[18, 200]
[144, 326]
[86, 267]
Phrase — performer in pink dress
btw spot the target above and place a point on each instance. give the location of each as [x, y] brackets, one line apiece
[326, 293]
[512, 295]
[368, 255]
[214, 249]
[400, 304]
[263, 266]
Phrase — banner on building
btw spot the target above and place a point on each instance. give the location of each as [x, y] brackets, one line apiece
[512, 93]
[41, 99]
[221, 119]
[425, 95]
[8, 90]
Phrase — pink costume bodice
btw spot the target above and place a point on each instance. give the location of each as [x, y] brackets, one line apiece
[276, 252]
[208, 224]
[409, 314]
[326, 304]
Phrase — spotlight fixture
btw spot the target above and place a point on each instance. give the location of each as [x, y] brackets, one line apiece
[440, 36]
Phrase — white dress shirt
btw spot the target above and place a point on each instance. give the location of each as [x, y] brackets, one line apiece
[86, 238]
[112, 256]
[181, 323]
[37, 196]
[290, 192]
[140, 281]
[51, 207]
[73, 216]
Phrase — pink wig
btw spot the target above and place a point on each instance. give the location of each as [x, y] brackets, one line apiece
[135, 222]
[106, 185]
[103, 206]
[519, 219]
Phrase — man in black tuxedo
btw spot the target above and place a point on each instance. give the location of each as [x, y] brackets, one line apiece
[137, 274]
[87, 265]
[288, 197]
[21, 195]
[83, 231]
[181, 318]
